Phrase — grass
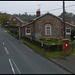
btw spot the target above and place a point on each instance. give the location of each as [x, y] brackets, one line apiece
[53, 41]
[56, 54]
[16, 36]
[50, 42]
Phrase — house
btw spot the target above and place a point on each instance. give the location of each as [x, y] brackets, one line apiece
[16, 21]
[47, 26]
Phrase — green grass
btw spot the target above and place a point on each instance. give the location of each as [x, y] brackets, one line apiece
[6, 29]
[56, 54]
[50, 42]
[71, 41]
[53, 41]
[16, 36]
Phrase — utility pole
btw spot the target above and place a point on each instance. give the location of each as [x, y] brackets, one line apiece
[63, 19]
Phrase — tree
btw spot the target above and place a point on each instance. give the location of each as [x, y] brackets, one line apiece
[4, 18]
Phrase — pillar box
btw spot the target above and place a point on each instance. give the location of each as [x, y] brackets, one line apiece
[66, 50]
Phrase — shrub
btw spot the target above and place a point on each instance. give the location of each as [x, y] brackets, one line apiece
[13, 26]
[73, 34]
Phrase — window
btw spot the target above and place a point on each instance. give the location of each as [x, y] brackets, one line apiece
[48, 29]
[18, 24]
[28, 31]
[14, 19]
[68, 30]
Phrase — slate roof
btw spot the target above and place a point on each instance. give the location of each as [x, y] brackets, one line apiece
[18, 19]
[53, 16]
[46, 14]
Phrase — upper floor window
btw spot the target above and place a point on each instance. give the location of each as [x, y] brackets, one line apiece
[48, 29]
[28, 31]
[68, 30]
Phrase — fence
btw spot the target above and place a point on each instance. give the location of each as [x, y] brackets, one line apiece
[43, 45]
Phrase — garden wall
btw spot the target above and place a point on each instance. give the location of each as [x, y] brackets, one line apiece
[44, 46]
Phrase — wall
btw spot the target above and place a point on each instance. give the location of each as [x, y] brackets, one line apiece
[17, 21]
[41, 27]
[29, 25]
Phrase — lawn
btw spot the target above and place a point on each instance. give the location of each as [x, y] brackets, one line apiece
[54, 42]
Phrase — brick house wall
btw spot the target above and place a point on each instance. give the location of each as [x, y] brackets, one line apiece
[30, 26]
[12, 22]
[38, 27]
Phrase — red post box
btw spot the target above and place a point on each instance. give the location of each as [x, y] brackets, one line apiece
[66, 46]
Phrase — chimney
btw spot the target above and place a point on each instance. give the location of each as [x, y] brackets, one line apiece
[38, 13]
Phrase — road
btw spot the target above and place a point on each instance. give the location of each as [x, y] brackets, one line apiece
[17, 58]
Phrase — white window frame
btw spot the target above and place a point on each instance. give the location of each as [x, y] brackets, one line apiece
[27, 29]
[14, 19]
[46, 26]
[68, 28]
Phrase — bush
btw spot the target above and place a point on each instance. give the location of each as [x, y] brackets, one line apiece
[13, 26]
[73, 34]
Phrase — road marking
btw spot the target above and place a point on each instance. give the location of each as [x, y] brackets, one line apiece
[6, 50]
[3, 43]
[5, 31]
[11, 66]
[16, 66]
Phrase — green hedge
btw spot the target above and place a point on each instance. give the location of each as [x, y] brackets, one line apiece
[73, 34]
[13, 26]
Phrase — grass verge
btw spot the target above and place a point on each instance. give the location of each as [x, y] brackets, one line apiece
[56, 54]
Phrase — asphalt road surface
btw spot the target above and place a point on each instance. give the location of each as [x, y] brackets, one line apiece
[17, 58]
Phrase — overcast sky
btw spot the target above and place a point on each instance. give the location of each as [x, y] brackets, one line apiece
[16, 7]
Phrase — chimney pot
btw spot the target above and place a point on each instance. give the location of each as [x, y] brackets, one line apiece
[38, 13]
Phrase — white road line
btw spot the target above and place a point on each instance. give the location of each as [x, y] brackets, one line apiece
[3, 43]
[6, 50]
[16, 66]
[11, 66]
[5, 31]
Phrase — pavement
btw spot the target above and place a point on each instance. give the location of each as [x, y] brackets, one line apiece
[67, 63]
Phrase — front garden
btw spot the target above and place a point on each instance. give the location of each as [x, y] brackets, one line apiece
[54, 42]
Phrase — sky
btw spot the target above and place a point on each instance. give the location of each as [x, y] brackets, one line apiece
[16, 7]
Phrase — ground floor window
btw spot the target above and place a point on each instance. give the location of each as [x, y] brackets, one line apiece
[48, 29]
[68, 30]
[28, 31]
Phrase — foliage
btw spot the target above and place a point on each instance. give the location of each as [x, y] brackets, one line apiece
[16, 36]
[13, 26]
[50, 42]
[25, 17]
[72, 34]
[4, 18]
